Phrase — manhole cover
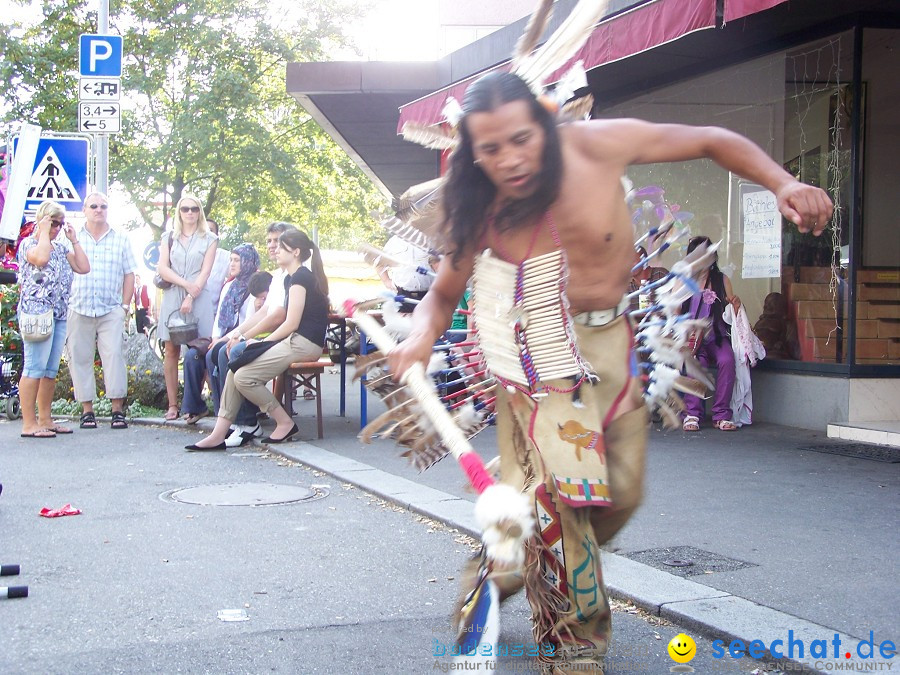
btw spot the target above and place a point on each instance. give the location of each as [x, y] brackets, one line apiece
[243, 494]
[686, 561]
[878, 453]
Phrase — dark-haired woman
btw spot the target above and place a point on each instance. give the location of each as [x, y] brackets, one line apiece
[300, 338]
[715, 346]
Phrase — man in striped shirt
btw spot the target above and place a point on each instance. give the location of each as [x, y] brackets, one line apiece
[97, 311]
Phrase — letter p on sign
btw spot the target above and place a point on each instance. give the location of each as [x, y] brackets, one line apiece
[100, 56]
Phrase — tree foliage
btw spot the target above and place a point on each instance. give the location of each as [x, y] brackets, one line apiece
[205, 110]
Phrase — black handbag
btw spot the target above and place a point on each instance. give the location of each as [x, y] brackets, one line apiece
[158, 281]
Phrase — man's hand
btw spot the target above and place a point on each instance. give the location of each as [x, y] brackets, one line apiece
[413, 349]
[808, 207]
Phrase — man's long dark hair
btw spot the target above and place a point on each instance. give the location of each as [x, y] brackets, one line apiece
[717, 284]
[469, 193]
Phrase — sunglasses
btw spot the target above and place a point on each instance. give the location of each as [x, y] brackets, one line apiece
[99, 206]
[57, 223]
[190, 209]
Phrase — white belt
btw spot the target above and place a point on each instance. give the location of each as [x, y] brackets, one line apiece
[601, 317]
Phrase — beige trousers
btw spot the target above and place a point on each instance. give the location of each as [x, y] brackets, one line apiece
[250, 381]
[86, 335]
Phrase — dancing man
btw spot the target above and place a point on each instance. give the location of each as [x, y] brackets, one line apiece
[520, 187]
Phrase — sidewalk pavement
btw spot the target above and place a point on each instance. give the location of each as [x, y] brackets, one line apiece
[780, 538]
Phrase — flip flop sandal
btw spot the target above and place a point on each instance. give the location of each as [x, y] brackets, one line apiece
[725, 425]
[88, 421]
[56, 428]
[40, 433]
[118, 420]
[193, 418]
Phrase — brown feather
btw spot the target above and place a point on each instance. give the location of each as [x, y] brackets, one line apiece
[688, 385]
[577, 109]
[534, 30]
[376, 425]
[671, 419]
[693, 369]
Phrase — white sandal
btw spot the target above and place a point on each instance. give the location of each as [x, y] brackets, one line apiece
[725, 425]
[691, 423]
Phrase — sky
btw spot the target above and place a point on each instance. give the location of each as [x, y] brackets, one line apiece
[393, 30]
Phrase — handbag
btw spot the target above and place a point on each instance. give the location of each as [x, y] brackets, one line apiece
[161, 283]
[158, 281]
[36, 327]
[201, 345]
[182, 333]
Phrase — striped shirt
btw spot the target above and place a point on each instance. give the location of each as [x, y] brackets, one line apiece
[99, 292]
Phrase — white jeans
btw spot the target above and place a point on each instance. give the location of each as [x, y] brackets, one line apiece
[106, 335]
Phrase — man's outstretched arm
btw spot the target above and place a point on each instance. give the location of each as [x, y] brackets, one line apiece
[638, 142]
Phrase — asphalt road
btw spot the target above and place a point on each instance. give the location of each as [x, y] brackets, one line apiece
[343, 583]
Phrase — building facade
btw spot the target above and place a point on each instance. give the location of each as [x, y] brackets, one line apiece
[813, 82]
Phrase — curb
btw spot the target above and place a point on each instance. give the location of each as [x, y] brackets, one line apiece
[716, 614]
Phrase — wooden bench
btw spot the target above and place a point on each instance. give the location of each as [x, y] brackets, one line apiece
[305, 374]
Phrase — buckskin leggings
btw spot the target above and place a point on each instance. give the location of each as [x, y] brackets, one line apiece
[558, 450]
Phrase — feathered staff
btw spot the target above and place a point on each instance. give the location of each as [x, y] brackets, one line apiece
[503, 513]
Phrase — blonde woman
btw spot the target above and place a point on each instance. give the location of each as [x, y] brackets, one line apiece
[186, 257]
[47, 268]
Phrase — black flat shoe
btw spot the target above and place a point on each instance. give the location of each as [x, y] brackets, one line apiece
[196, 448]
[286, 437]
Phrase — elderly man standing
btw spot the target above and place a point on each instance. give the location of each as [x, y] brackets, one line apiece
[97, 311]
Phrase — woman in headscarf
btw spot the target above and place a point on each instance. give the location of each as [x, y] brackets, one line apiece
[233, 309]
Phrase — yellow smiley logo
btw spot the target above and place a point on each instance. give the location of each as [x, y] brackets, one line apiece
[682, 648]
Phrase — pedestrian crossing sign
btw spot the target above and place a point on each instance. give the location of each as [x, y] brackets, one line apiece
[60, 173]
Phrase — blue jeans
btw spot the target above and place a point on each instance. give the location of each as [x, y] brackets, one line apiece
[41, 359]
[217, 363]
[194, 373]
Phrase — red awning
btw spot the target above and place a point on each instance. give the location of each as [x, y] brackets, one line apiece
[736, 9]
[637, 30]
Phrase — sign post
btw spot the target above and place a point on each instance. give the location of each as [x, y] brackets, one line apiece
[100, 67]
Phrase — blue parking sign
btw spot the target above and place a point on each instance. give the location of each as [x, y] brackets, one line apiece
[100, 56]
[60, 173]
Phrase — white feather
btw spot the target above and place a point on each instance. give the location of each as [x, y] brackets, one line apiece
[452, 111]
[398, 325]
[436, 363]
[562, 44]
[504, 515]
[467, 418]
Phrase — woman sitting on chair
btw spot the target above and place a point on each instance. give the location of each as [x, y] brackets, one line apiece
[715, 345]
[300, 338]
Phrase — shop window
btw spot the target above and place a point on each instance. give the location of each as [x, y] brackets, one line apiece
[878, 276]
[795, 104]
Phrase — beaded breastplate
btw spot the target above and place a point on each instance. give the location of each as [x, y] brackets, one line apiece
[522, 321]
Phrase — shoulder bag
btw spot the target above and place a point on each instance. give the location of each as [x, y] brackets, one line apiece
[36, 327]
[158, 281]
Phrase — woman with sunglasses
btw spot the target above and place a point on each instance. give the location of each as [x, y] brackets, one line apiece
[47, 267]
[186, 257]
